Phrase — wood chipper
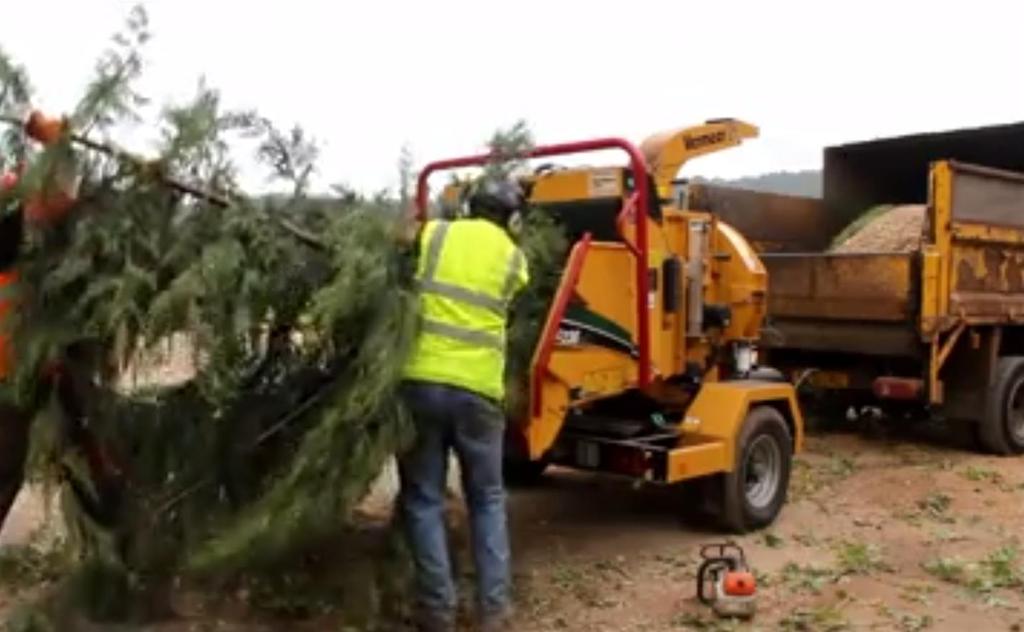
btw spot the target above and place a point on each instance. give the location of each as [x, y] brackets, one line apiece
[646, 366]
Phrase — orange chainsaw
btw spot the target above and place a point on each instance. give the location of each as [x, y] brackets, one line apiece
[725, 581]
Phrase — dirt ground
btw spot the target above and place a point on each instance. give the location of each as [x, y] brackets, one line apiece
[881, 533]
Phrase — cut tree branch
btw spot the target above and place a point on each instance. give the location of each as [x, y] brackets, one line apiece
[153, 168]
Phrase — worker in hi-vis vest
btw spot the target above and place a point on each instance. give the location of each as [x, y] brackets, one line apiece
[468, 271]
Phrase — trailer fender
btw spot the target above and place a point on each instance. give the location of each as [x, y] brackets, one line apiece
[720, 409]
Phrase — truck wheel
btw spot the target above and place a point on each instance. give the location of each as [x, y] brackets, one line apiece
[1001, 430]
[755, 490]
[519, 472]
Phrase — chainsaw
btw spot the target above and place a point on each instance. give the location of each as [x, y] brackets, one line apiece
[725, 582]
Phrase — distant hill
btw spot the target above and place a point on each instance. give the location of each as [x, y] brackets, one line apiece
[804, 183]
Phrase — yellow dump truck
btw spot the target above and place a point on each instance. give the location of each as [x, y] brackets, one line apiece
[934, 331]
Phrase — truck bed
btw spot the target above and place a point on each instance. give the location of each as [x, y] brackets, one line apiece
[969, 270]
[854, 303]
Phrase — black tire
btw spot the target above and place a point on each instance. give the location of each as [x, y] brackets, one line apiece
[1001, 430]
[519, 472]
[755, 491]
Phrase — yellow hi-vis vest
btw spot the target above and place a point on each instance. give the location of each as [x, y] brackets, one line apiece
[468, 272]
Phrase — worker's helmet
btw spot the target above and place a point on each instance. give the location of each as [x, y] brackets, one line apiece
[500, 200]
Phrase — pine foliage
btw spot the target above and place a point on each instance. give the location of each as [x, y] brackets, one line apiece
[296, 343]
[15, 96]
[299, 307]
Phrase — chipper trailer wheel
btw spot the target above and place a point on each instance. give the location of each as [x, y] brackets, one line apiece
[1001, 430]
[755, 490]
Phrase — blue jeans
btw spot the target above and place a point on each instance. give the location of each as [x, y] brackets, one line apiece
[446, 418]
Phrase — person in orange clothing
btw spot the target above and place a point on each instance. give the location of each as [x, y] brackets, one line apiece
[16, 421]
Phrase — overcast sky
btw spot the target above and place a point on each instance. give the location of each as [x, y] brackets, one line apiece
[367, 77]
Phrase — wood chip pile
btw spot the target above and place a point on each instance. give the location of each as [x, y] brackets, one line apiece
[885, 229]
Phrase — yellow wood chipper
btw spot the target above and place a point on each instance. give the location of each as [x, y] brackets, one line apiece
[647, 364]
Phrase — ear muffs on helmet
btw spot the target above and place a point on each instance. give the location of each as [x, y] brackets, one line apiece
[514, 223]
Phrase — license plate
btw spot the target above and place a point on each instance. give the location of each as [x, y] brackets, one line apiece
[829, 379]
[588, 454]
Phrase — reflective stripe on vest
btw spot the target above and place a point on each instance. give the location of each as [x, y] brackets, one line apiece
[497, 305]
[463, 334]
[467, 273]
[515, 269]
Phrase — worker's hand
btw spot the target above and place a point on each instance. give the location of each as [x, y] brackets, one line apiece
[56, 196]
[44, 129]
[60, 192]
